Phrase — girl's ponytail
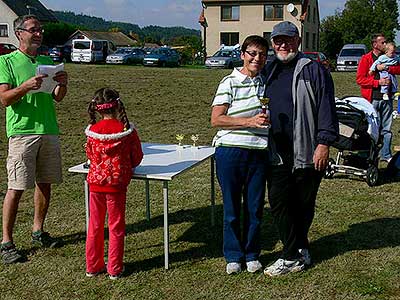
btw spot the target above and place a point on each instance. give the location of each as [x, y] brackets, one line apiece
[122, 115]
[92, 112]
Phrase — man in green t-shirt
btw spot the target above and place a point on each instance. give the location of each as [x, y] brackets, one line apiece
[34, 156]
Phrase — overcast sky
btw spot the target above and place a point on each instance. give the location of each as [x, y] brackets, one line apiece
[154, 12]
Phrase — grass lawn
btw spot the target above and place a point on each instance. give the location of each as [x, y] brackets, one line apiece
[355, 237]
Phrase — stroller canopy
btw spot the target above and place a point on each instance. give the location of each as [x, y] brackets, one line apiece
[370, 113]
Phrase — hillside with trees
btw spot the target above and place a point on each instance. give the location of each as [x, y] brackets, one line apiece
[154, 34]
[188, 40]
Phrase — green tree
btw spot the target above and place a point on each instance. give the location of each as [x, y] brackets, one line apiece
[57, 33]
[191, 45]
[331, 39]
[357, 22]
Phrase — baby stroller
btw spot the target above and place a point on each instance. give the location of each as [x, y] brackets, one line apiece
[358, 143]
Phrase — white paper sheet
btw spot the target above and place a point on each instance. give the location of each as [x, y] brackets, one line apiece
[49, 83]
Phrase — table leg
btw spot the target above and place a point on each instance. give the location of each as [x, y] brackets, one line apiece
[147, 200]
[86, 185]
[212, 191]
[166, 228]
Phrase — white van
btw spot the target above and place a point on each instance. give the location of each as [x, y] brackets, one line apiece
[91, 50]
[350, 56]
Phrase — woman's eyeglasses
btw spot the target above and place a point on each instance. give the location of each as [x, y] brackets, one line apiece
[255, 53]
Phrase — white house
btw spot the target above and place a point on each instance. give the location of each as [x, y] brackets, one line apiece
[119, 39]
[11, 9]
[229, 22]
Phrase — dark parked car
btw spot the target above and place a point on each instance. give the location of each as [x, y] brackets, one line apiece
[6, 48]
[270, 55]
[61, 53]
[319, 57]
[162, 57]
[43, 50]
[126, 56]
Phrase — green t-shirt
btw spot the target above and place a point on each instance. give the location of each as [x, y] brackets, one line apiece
[34, 113]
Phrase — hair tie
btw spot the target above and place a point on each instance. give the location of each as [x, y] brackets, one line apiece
[104, 106]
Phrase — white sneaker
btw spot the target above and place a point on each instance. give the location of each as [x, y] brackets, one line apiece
[233, 268]
[253, 266]
[305, 256]
[90, 275]
[283, 266]
[117, 276]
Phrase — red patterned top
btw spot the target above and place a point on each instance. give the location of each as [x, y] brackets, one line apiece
[113, 153]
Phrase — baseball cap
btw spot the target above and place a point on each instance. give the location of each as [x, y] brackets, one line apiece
[284, 28]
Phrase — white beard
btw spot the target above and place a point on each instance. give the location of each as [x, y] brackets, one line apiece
[287, 58]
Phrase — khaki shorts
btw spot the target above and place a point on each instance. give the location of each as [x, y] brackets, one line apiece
[33, 158]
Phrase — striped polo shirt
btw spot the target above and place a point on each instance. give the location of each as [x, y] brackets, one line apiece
[240, 91]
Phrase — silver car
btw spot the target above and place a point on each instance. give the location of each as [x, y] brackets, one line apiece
[350, 56]
[225, 58]
[126, 56]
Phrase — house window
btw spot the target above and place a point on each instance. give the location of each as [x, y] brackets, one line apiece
[230, 13]
[314, 41]
[229, 38]
[267, 36]
[3, 30]
[314, 15]
[308, 13]
[273, 12]
[307, 40]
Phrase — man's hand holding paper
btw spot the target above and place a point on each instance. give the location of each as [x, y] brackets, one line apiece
[55, 76]
[34, 83]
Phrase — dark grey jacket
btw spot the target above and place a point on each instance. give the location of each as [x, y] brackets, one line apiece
[314, 117]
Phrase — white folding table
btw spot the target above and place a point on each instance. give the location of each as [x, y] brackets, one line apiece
[162, 162]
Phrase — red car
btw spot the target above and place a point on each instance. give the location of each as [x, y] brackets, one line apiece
[6, 48]
[319, 57]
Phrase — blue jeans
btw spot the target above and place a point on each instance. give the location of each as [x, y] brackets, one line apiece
[242, 172]
[384, 108]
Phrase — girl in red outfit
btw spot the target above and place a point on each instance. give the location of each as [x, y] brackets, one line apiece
[113, 149]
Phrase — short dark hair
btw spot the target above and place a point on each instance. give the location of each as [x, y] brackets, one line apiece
[375, 37]
[19, 22]
[254, 40]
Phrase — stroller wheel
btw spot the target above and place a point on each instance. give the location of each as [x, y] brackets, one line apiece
[372, 176]
[329, 171]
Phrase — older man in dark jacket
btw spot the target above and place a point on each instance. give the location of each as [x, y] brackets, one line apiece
[303, 125]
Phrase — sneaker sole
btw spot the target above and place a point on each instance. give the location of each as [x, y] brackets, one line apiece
[119, 276]
[40, 245]
[91, 275]
[294, 270]
[254, 271]
[13, 261]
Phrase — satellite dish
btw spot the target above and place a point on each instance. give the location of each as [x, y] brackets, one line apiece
[290, 7]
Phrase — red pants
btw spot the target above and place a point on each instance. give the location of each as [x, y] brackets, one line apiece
[99, 204]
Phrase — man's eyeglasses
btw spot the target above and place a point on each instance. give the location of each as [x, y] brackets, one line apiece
[287, 41]
[255, 53]
[33, 30]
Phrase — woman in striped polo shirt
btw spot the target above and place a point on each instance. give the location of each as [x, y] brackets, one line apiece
[241, 155]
